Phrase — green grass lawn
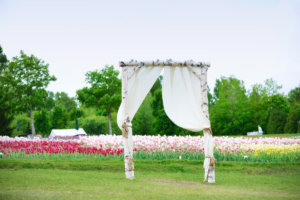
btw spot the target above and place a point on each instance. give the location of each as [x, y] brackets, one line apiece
[166, 179]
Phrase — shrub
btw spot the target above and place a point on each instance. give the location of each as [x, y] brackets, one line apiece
[42, 122]
[92, 125]
[95, 125]
[291, 126]
[5, 121]
[114, 125]
[276, 122]
[58, 118]
[24, 119]
[28, 130]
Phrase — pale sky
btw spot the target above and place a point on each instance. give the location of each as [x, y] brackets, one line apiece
[251, 39]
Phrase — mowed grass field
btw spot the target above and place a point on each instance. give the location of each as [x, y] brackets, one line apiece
[166, 179]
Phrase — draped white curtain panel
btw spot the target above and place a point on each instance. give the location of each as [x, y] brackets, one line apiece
[138, 87]
[182, 102]
[181, 94]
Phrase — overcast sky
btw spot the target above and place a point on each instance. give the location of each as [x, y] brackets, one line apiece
[251, 39]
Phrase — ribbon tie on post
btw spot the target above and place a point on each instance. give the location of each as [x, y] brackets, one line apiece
[208, 130]
[125, 130]
[130, 163]
[213, 161]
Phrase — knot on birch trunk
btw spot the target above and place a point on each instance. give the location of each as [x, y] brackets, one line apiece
[130, 163]
[124, 130]
[208, 130]
[212, 163]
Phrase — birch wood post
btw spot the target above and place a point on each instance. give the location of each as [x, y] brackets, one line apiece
[203, 82]
[128, 145]
[209, 174]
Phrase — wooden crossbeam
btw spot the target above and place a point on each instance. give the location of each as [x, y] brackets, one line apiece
[168, 62]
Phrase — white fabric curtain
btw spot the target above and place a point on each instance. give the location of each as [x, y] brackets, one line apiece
[182, 98]
[182, 103]
[138, 87]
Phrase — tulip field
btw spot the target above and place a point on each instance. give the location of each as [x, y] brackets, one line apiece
[264, 149]
[92, 167]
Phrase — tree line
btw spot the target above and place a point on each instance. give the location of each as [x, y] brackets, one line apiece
[236, 111]
[26, 107]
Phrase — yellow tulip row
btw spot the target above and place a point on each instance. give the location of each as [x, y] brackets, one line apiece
[272, 148]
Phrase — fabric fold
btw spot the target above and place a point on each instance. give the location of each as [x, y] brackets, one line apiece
[182, 98]
[138, 87]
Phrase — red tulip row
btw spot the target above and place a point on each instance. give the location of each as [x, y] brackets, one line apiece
[53, 147]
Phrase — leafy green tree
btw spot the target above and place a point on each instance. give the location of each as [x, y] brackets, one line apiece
[262, 102]
[271, 88]
[294, 98]
[75, 113]
[259, 106]
[42, 122]
[50, 101]
[5, 122]
[143, 119]
[211, 101]
[5, 117]
[231, 114]
[278, 108]
[162, 123]
[26, 79]
[279, 102]
[28, 130]
[297, 111]
[276, 122]
[58, 118]
[101, 113]
[3, 61]
[296, 107]
[62, 99]
[294, 95]
[217, 88]
[294, 114]
[291, 126]
[157, 85]
[104, 93]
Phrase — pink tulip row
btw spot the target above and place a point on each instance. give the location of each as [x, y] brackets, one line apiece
[169, 143]
[188, 143]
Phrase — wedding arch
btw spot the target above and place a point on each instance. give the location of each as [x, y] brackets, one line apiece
[185, 101]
